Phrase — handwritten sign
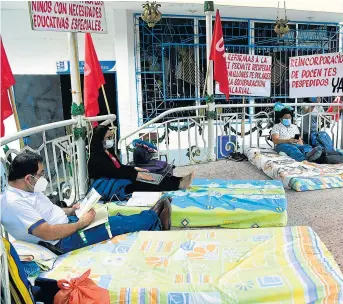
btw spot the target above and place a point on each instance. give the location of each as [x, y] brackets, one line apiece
[249, 75]
[65, 16]
[316, 75]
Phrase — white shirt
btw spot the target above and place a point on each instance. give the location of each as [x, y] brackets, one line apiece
[314, 119]
[316, 109]
[22, 212]
[285, 132]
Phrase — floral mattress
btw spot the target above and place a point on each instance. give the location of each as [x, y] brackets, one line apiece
[267, 265]
[225, 203]
[299, 176]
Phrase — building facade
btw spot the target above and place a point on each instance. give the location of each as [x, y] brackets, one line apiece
[165, 67]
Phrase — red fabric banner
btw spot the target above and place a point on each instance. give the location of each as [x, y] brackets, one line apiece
[7, 80]
[94, 79]
[217, 54]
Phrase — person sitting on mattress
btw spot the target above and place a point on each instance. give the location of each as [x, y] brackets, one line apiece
[28, 215]
[104, 163]
[286, 137]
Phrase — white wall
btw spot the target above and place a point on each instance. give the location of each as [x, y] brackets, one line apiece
[126, 81]
[36, 52]
[335, 6]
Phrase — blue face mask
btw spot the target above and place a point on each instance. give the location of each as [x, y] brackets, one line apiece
[286, 122]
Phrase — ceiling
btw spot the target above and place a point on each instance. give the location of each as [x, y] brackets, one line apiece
[297, 10]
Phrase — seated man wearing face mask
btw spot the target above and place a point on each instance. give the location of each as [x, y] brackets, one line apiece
[286, 137]
[28, 215]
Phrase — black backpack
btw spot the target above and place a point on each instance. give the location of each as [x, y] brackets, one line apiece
[141, 156]
[330, 157]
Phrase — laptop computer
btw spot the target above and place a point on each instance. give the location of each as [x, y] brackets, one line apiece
[158, 178]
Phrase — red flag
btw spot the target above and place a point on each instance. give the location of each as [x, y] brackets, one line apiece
[217, 55]
[94, 79]
[337, 109]
[7, 80]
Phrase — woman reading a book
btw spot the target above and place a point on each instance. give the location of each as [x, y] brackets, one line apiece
[103, 163]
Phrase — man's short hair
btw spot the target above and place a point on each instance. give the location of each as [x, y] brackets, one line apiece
[24, 164]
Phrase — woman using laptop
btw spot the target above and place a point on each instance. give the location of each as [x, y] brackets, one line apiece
[103, 162]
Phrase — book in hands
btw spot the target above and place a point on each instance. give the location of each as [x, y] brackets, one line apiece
[101, 217]
[88, 203]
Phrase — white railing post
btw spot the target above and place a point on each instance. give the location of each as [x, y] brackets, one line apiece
[209, 9]
[77, 112]
[197, 65]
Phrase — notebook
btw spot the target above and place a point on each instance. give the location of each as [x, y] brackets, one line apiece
[101, 217]
[143, 199]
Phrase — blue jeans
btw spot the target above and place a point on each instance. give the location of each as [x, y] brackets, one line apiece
[146, 221]
[297, 152]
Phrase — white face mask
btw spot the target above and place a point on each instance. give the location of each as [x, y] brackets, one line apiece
[108, 143]
[40, 185]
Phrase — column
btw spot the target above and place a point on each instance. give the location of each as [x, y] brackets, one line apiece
[125, 68]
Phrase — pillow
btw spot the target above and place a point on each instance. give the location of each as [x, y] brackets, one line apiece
[42, 256]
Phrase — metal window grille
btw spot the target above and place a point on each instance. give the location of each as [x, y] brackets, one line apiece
[171, 58]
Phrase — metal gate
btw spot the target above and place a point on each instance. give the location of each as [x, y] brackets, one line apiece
[171, 58]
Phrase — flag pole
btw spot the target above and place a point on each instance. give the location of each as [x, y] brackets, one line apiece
[202, 111]
[106, 102]
[204, 90]
[243, 124]
[15, 114]
[209, 9]
[79, 128]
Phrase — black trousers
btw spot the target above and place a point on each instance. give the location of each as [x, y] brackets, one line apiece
[169, 183]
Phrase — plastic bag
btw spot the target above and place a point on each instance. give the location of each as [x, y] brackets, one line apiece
[81, 290]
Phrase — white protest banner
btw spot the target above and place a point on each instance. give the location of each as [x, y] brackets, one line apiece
[249, 75]
[68, 16]
[316, 75]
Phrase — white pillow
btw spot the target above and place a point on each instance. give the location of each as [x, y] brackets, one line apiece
[42, 256]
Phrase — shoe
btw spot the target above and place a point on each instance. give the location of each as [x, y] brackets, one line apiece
[314, 154]
[163, 210]
[165, 218]
[237, 157]
[160, 205]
